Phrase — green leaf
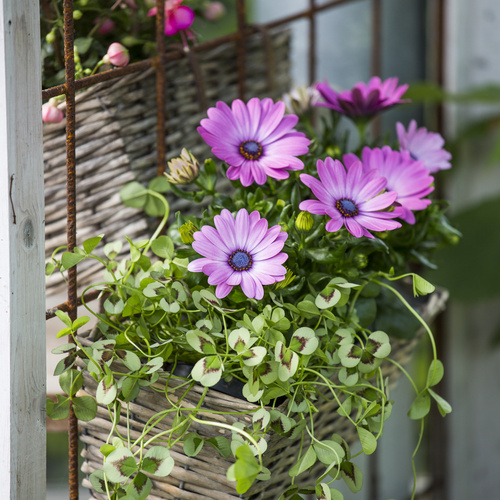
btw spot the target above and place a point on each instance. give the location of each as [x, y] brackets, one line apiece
[221, 444]
[328, 297]
[119, 465]
[105, 395]
[58, 410]
[352, 475]
[71, 382]
[111, 250]
[158, 461]
[63, 316]
[91, 243]
[82, 44]
[350, 355]
[378, 344]
[153, 365]
[134, 195]
[308, 309]
[130, 388]
[140, 487]
[443, 406]
[79, 322]
[207, 371]
[85, 408]
[238, 339]
[201, 342]
[435, 373]
[304, 341]
[97, 481]
[305, 462]
[368, 441]
[63, 332]
[159, 184]
[245, 470]
[106, 449]
[163, 247]
[254, 356]
[193, 444]
[129, 359]
[70, 259]
[288, 361]
[421, 286]
[329, 452]
[420, 406]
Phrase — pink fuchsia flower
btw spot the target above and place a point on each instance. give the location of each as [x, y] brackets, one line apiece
[407, 177]
[240, 251]
[117, 55]
[177, 17]
[424, 146]
[255, 139]
[213, 11]
[363, 100]
[350, 198]
[51, 113]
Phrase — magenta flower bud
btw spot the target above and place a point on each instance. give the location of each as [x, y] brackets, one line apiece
[213, 11]
[106, 26]
[51, 113]
[117, 55]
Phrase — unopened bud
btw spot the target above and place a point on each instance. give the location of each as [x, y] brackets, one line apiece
[77, 14]
[51, 113]
[301, 100]
[51, 36]
[117, 55]
[304, 222]
[360, 261]
[280, 204]
[289, 277]
[186, 231]
[214, 11]
[183, 170]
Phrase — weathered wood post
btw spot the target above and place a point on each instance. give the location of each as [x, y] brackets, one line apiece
[22, 290]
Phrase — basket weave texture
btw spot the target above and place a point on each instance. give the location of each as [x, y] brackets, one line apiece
[116, 137]
[204, 476]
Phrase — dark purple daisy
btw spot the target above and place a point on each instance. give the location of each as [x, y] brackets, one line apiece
[255, 139]
[407, 177]
[424, 146]
[240, 251]
[353, 199]
[363, 100]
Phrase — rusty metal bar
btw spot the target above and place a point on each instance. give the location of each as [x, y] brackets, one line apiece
[241, 47]
[312, 42]
[160, 87]
[71, 218]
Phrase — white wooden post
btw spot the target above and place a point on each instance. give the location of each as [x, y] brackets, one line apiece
[22, 291]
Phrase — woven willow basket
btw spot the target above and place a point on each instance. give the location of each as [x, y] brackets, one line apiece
[116, 137]
[204, 476]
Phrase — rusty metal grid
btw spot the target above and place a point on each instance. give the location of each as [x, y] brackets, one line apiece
[71, 86]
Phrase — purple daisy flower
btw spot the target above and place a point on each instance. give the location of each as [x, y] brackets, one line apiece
[424, 146]
[363, 100]
[352, 199]
[240, 251]
[407, 177]
[255, 139]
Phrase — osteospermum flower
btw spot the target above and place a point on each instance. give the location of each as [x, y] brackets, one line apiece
[407, 177]
[363, 100]
[255, 139]
[424, 146]
[350, 198]
[177, 17]
[240, 251]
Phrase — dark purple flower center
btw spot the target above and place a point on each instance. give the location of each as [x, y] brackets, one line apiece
[240, 260]
[251, 150]
[347, 207]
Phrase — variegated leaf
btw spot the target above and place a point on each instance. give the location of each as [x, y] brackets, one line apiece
[288, 361]
[119, 465]
[157, 461]
[254, 356]
[238, 339]
[201, 342]
[207, 371]
[304, 341]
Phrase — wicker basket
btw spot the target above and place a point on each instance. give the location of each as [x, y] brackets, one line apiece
[204, 476]
[116, 137]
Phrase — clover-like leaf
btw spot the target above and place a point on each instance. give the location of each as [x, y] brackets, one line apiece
[157, 461]
[201, 342]
[329, 452]
[435, 373]
[367, 440]
[140, 487]
[85, 408]
[421, 286]
[252, 396]
[254, 356]
[352, 475]
[328, 297]
[378, 344]
[268, 372]
[163, 246]
[238, 339]
[288, 361]
[443, 406]
[305, 462]
[178, 291]
[119, 465]
[129, 359]
[97, 481]
[106, 394]
[245, 470]
[207, 371]
[348, 376]
[304, 341]
[420, 406]
[350, 355]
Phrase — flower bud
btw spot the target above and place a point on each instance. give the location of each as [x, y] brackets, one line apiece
[304, 222]
[214, 11]
[105, 25]
[183, 170]
[301, 100]
[117, 55]
[360, 261]
[51, 113]
[50, 37]
[280, 204]
[77, 14]
[186, 231]
[289, 277]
